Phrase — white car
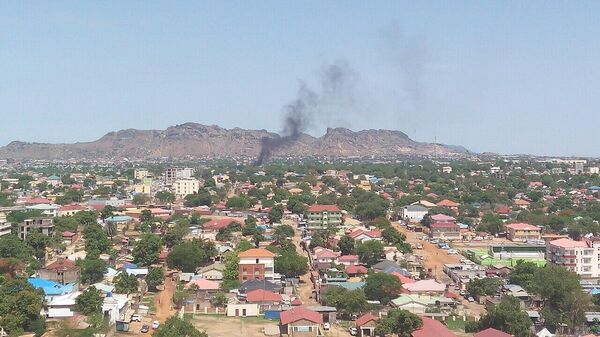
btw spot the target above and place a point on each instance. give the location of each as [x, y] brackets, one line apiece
[136, 318]
[352, 331]
[155, 324]
[326, 326]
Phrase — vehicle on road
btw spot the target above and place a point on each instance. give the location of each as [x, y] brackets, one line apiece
[145, 328]
[155, 324]
[471, 299]
[452, 251]
[326, 326]
[419, 246]
[352, 331]
[136, 318]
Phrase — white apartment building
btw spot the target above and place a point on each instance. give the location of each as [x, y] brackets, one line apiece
[5, 227]
[140, 174]
[580, 257]
[183, 187]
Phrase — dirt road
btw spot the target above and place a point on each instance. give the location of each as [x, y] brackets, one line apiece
[163, 303]
[305, 288]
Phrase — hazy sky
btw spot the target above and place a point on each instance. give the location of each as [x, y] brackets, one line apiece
[505, 76]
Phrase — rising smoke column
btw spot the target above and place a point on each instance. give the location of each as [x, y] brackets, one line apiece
[336, 95]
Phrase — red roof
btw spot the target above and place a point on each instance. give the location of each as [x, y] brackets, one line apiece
[218, 223]
[448, 203]
[442, 218]
[375, 233]
[364, 319]
[325, 254]
[322, 208]
[348, 258]
[491, 332]
[256, 252]
[503, 210]
[403, 279]
[431, 328]
[64, 264]
[522, 226]
[260, 295]
[70, 208]
[296, 302]
[67, 234]
[299, 313]
[356, 270]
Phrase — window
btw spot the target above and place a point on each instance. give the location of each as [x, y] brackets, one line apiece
[257, 261]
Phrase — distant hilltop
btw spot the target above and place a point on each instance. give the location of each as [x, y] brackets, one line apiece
[193, 140]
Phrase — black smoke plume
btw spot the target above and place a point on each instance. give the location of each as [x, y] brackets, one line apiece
[337, 83]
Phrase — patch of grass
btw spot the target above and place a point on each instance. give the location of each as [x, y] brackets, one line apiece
[148, 301]
[457, 325]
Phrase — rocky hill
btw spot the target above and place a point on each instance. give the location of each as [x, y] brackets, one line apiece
[202, 141]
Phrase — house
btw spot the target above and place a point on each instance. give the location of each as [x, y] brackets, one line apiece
[431, 327]
[248, 286]
[365, 325]
[45, 225]
[419, 304]
[202, 285]
[445, 231]
[62, 306]
[323, 258]
[68, 237]
[5, 227]
[69, 210]
[443, 218]
[321, 216]
[264, 298]
[356, 270]
[52, 289]
[523, 232]
[413, 213]
[256, 264]
[347, 260]
[429, 287]
[491, 332]
[47, 210]
[521, 203]
[115, 307]
[212, 272]
[62, 271]
[242, 310]
[362, 235]
[185, 187]
[300, 321]
[217, 224]
[449, 204]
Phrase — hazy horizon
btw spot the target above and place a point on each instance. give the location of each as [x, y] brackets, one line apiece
[492, 77]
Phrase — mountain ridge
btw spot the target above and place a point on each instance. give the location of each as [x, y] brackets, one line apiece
[212, 141]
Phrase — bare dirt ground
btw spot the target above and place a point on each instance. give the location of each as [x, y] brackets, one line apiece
[221, 326]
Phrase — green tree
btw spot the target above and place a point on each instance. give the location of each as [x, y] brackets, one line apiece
[484, 286]
[400, 322]
[146, 250]
[382, 287]
[96, 240]
[282, 232]
[523, 274]
[346, 245]
[92, 270]
[140, 199]
[507, 316]
[275, 214]
[12, 247]
[90, 301]
[347, 302]
[370, 252]
[38, 242]
[126, 283]
[107, 212]
[190, 255]
[165, 197]
[20, 306]
[219, 299]
[237, 202]
[391, 236]
[200, 198]
[291, 264]
[155, 277]
[175, 327]
[231, 271]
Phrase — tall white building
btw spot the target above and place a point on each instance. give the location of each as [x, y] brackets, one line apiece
[580, 257]
[183, 187]
[5, 227]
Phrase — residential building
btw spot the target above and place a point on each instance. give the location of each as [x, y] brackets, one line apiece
[46, 225]
[267, 300]
[444, 230]
[62, 271]
[321, 216]
[414, 213]
[115, 307]
[242, 310]
[419, 304]
[49, 210]
[365, 325]
[256, 264]
[69, 210]
[425, 287]
[431, 327]
[184, 187]
[212, 272]
[491, 332]
[523, 232]
[300, 321]
[5, 227]
[140, 174]
[449, 204]
[580, 257]
[175, 173]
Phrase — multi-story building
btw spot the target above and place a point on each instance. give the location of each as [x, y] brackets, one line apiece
[140, 174]
[321, 216]
[256, 264]
[580, 257]
[175, 173]
[46, 225]
[183, 187]
[5, 227]
[62, 271]
[523, 232]
[413, 212]
[445, 231]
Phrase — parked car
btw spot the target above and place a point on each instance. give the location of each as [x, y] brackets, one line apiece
[155, 324]
[145, 328]
[471, 299]
[136, 318]
[326, 326]
[452, 251]
[353, 331]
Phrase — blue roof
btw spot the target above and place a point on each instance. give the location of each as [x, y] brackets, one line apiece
[594, 188]
[595, 291]
[118, 218]
[128, 265]
[351, 285]
[50, 287]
